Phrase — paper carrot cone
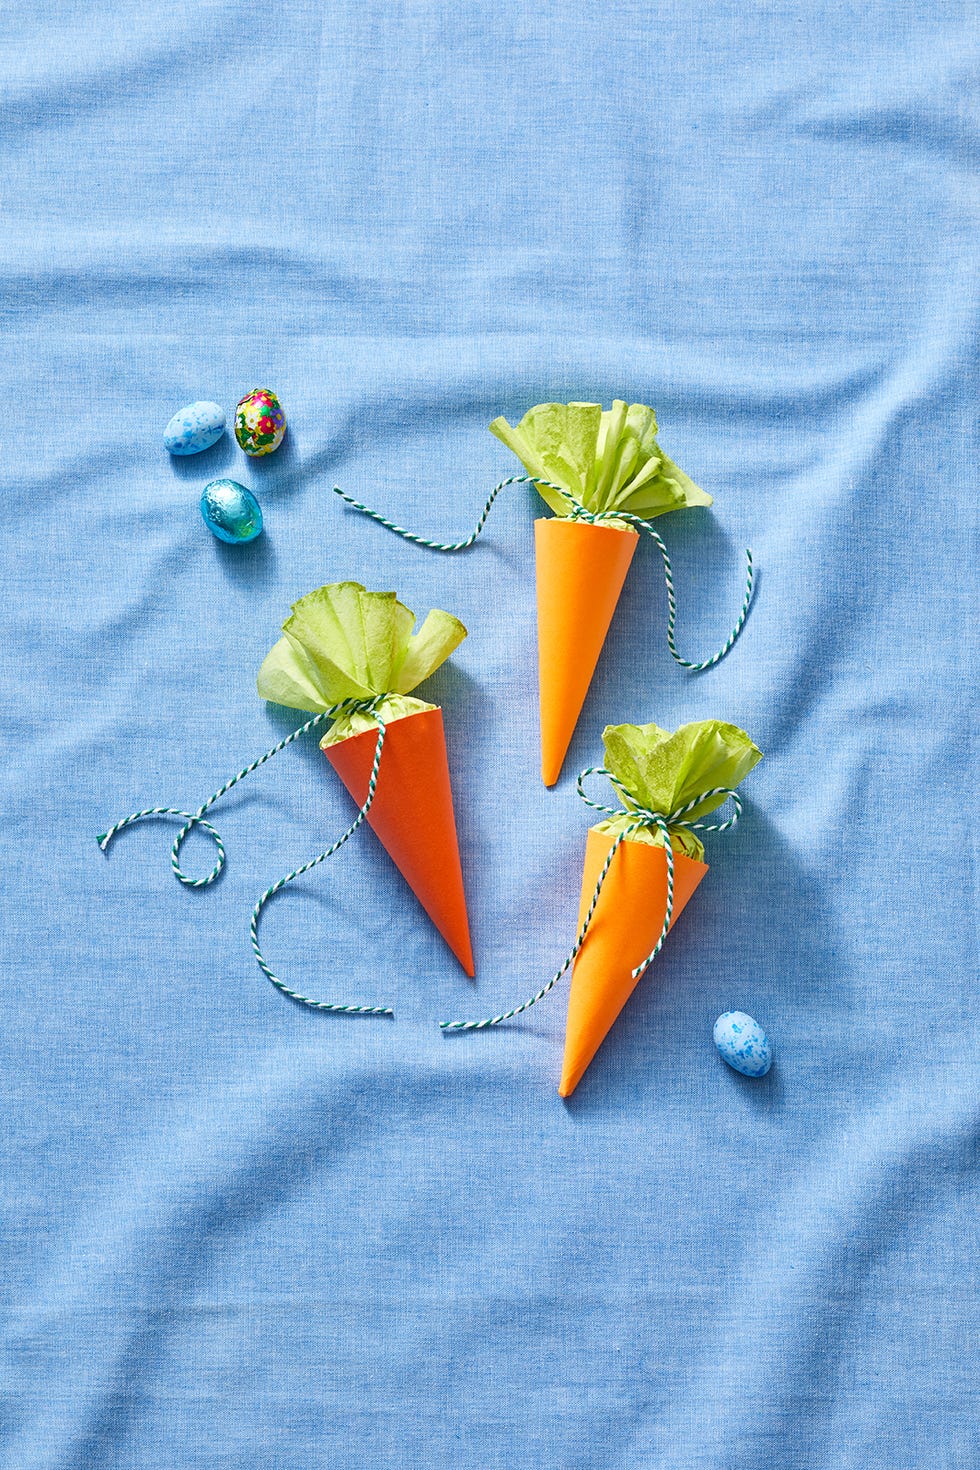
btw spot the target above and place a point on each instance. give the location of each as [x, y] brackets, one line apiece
[581, 569]
[352, 657]
[624, 929]
[642, 863]
[412, 815]
[665, 781]
[603, 474]
[343, 643]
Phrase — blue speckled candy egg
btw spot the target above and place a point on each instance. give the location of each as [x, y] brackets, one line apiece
[231, 512]
[194, 428]
[743, 1044]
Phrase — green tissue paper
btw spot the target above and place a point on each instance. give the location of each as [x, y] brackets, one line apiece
[342, 642]
[663, 771]
[607, 459]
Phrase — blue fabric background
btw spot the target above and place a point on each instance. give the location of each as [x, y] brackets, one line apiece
[239, 1234]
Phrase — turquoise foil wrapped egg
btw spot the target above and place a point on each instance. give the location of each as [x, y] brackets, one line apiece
[743, 1044]
[194, 428]
[231, 512]
[259, 422]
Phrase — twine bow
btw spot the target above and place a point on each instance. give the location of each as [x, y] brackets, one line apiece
[639, 817]
[580, 512]
[197, 819]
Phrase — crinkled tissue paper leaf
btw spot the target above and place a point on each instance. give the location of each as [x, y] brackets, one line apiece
[608, 460]
[341, 642]
[663, 771]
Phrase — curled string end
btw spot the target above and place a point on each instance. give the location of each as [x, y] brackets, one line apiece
[731, 640]
[322, 1005]
[196, 819]
[641, 525]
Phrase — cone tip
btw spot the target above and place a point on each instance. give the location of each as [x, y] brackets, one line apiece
[569, 1082]
[463, 950]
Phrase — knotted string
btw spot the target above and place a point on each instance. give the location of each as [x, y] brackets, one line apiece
[321, 1005]
[639, 818]
[580, 512]
[196, 819]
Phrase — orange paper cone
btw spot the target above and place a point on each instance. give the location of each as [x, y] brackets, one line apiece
[581, 569]
[412, 814]
[625, 927]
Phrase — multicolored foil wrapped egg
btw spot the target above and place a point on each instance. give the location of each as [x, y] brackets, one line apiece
[231, 512]
[194, 428]
[259, 422]
[743, 1044]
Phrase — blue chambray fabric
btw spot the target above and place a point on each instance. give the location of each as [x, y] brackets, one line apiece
[239, 1234]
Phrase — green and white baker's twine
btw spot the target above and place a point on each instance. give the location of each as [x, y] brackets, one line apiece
[639, 817]
[445, 545]
[321, 1005]
[591, 517]
[196, 819]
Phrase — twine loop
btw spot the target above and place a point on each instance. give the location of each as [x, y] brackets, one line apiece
[196, 819]
[580, 512]
[369, 706]
[639, 818]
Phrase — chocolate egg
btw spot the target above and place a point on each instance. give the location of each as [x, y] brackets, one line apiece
[259, 422]
[231, 512]
[194, 428]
